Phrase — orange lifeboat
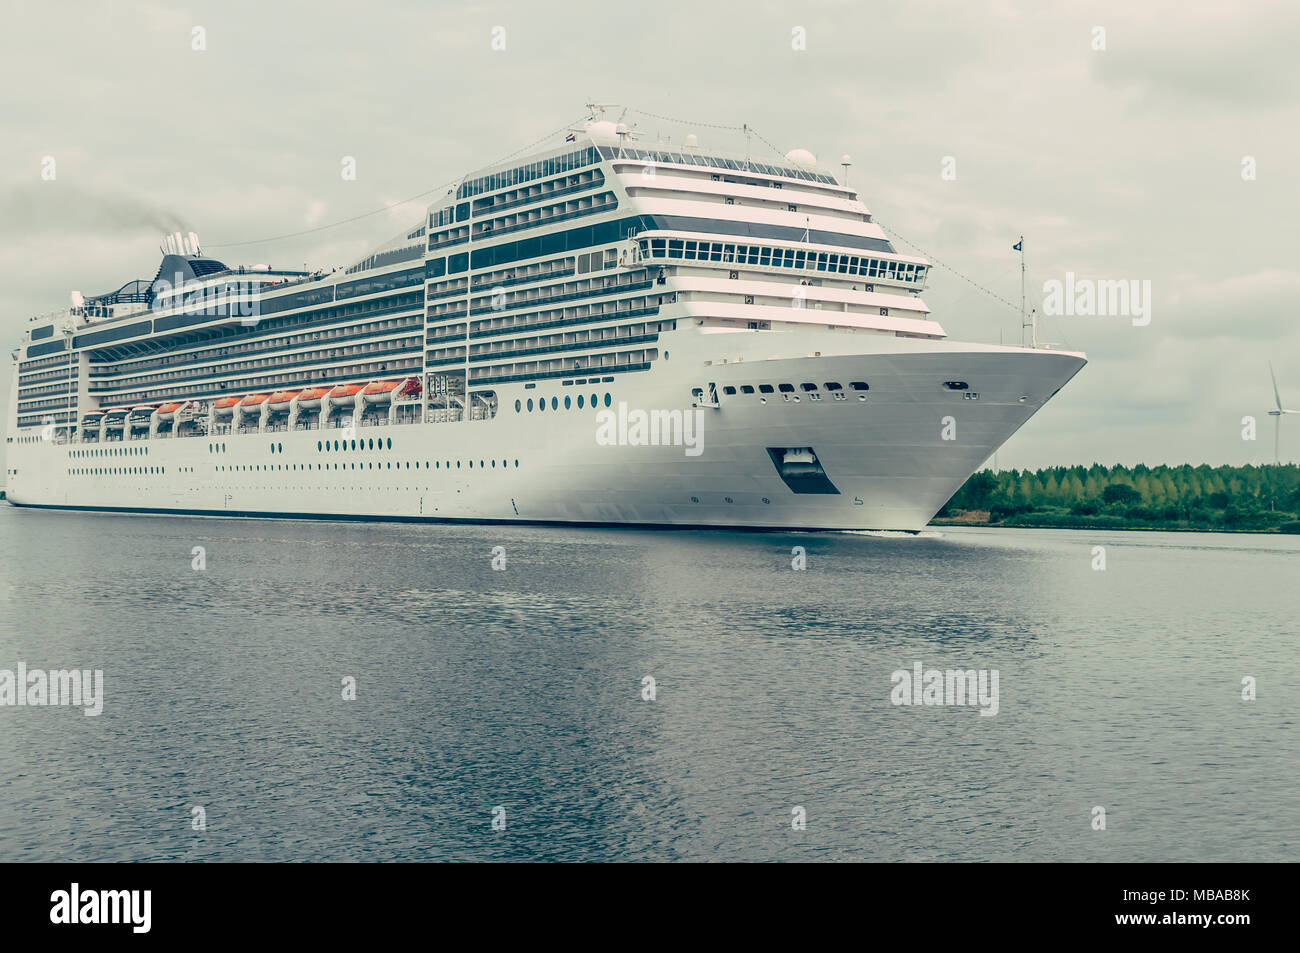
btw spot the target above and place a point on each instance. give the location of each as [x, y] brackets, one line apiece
[167, 411]
[344, 394]
[253, 400]
[140, 415]
[225, 405]
[310, 398]
[380, 392]
[282, 397]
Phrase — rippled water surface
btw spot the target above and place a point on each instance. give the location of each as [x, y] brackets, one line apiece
[521, 689]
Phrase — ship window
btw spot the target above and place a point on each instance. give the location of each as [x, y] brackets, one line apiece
[354, 445]
[956, 385]
[541, 404]
[530, 404]
[608, 400]
[593, 400]
[728, 390]
[555, 403]
[318, 446]
[518, 404]
[568, 402]
[785, 388]
[808, 387]
[372, 444]
[390, 444]
[747, 388]
[859, 385]
[580, 401]
[765, 388]
[831, 385]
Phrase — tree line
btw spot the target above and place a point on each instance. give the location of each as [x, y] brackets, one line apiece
[1243, 498]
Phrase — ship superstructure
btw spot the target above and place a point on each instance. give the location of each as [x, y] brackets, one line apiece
[600, 333]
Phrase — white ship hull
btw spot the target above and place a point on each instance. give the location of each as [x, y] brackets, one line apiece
[893, 458]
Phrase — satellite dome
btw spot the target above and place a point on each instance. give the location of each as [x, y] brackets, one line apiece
[802, 158]
[692, 141]
[602, 129]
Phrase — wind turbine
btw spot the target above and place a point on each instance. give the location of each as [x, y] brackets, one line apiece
[1277, 423]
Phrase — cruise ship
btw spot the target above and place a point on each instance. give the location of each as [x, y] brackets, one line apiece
[600, 333]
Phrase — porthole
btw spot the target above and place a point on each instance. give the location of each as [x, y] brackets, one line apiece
[516, 464]
[555, 403]
[608, 400]
[281, 450]
[695, 499]
[390, 443]
[530, 405]
[541, 404]
[372, 444]
[494, 464]
[568, 402]
[318, 445]
[580, 402]
[518, 404]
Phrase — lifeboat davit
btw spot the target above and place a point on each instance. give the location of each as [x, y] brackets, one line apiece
[310, 398]
[344, 395]
[226, 405]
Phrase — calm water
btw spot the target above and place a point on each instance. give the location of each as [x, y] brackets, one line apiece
[521, 688]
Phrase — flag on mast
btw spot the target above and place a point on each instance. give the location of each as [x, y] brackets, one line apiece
[1019, 246]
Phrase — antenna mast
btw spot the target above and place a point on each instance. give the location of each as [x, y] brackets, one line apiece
[1032, 323]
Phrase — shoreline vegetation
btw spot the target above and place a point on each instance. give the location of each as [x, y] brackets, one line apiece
[1224, 499]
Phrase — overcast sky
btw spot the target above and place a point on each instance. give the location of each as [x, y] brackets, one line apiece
[1122, 163]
